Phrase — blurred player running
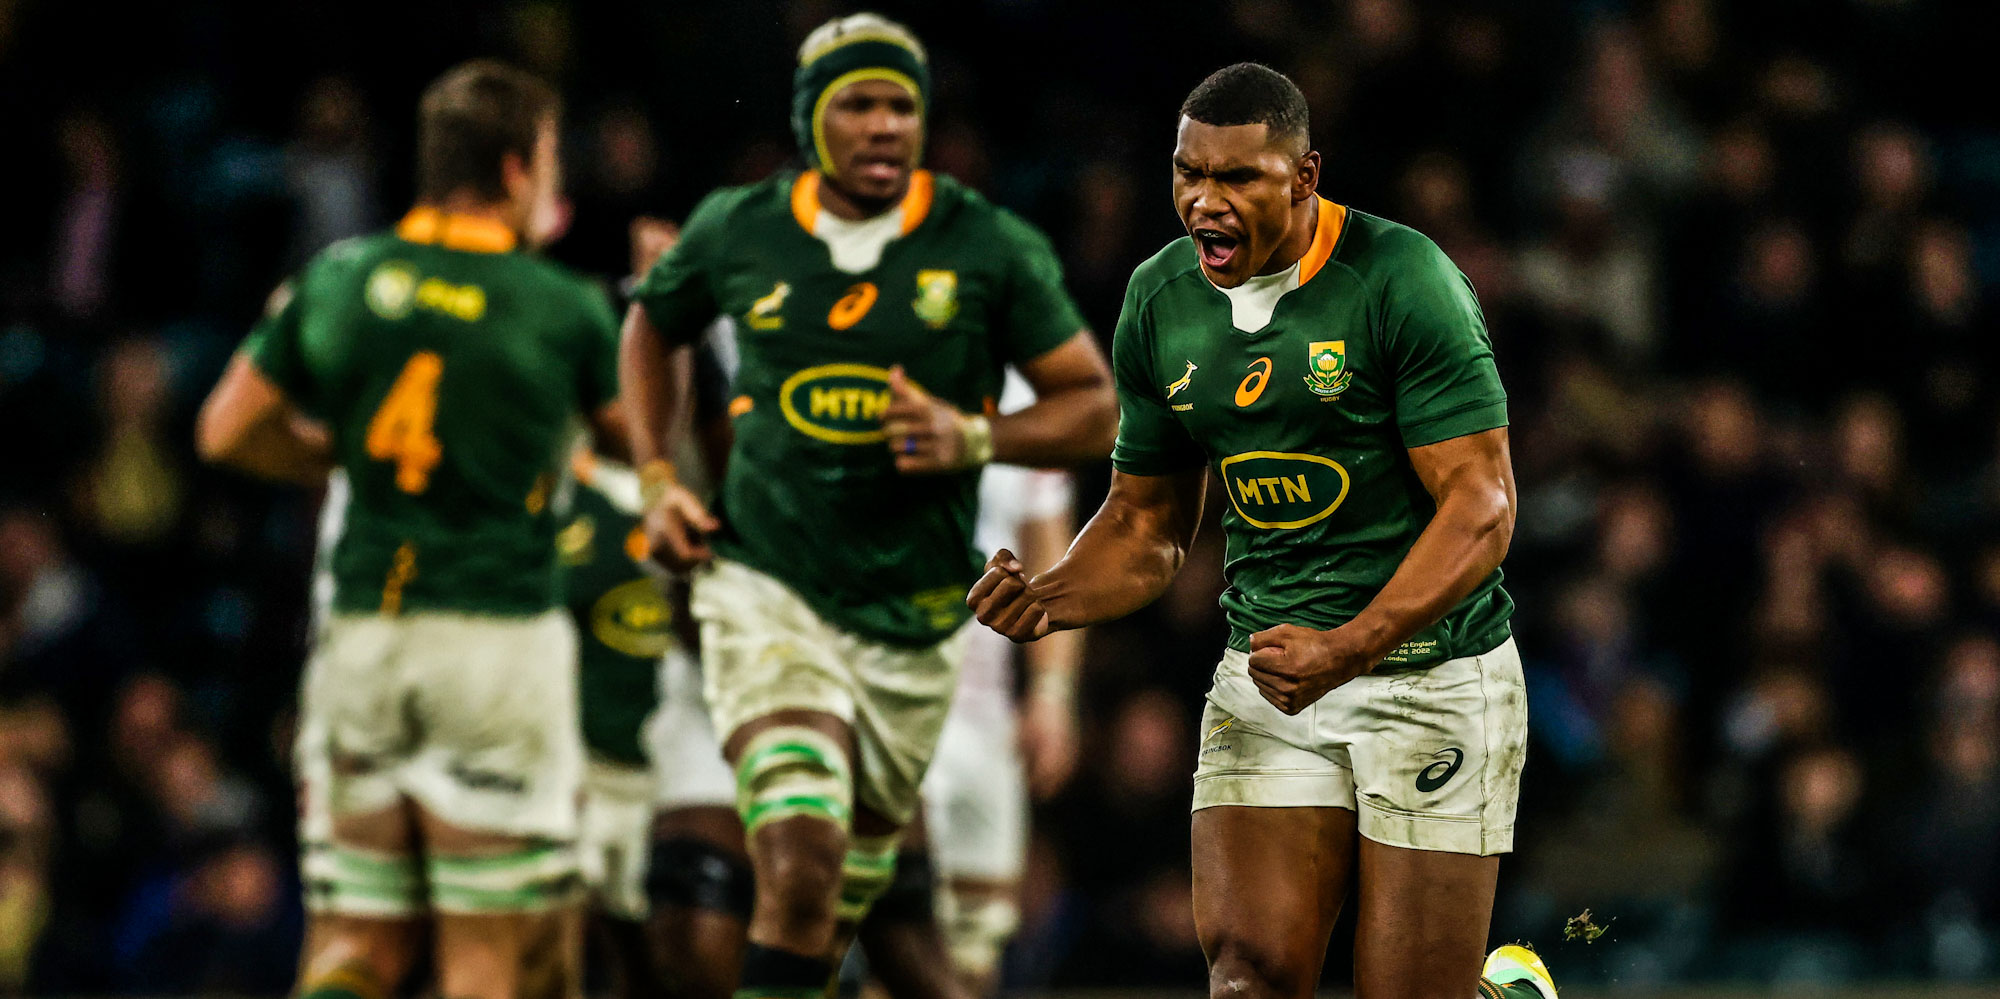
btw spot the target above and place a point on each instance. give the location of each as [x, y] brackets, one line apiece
[876, 305]
[1367, 723]
[992, 758]
[438, 752]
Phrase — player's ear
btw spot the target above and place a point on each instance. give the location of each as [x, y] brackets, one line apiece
[515, 176]
[1305, 180]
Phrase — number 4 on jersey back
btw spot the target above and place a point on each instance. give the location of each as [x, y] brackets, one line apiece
[401, 429]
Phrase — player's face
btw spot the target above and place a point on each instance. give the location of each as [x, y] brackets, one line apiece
[873, 130]
[1235, 191]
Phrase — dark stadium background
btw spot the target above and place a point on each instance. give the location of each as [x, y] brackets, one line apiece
[1738, 260]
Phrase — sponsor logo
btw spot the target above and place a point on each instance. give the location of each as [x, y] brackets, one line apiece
[1279, 490]
[764, 312]
[632, 618]
[852, 306]
[1179, 385]
[1253, 383]
[837, 403]
[391, 291]
[485, 780]
[937, 298]
[1440, 773]
[394, 290]
[1326, 368]
[573, 543]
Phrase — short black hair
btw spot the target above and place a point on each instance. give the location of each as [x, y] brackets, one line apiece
[470, 119]
[1250, 93]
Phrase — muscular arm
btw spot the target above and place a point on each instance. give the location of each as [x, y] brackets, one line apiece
[1075, 415]
[248, 424]
[1123, 560]
[1472, 480]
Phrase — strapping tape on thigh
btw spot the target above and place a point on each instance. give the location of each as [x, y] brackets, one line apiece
[356, 882]
[532, 879]
[791, 771]
[868, 871]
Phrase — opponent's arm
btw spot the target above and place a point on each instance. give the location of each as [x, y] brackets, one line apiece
[1048, 711]
[1123, 560]
[1472, 480]
[248, 424]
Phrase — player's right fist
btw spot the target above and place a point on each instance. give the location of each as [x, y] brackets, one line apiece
[677, 524]
[1003, 601]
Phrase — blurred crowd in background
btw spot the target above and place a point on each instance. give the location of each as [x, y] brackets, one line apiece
[1738, 262]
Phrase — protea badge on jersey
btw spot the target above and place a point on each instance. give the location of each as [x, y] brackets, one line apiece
[844, 51]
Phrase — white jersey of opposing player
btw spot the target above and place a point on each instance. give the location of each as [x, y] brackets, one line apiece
[1009, 496]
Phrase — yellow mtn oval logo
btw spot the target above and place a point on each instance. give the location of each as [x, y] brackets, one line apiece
[1279, 490]
[632, 618]
[837, 403]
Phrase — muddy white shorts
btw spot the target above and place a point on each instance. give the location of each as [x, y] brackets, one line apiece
[764, 650]
[1428, 759]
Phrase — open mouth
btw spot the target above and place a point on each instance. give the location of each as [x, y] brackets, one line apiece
[1217, 247]
[880, 168]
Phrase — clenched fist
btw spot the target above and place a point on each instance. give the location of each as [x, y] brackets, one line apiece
[1003, 601]
[1293, 666]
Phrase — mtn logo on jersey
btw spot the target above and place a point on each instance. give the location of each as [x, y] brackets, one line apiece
[837, 403]
[1278, 490]
[632, 617]
[395, 289]
[1326, 368]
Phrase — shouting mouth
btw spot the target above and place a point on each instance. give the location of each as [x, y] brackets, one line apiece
[1218, 248]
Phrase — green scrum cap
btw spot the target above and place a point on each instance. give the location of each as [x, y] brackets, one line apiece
[848, 50]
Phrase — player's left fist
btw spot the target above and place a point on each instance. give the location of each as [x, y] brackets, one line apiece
[928, 435]
[1293, 666]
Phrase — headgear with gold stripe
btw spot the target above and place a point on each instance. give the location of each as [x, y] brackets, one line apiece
[844, 51]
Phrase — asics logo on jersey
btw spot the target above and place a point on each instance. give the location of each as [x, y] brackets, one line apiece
[1254, 382]
[852, 306]
[1175, 387]
[1440, 773]
[764, 312]
[1279, 490]
[837, 403]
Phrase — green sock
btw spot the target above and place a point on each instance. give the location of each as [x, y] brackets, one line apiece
[1513, 990]
[332, 992]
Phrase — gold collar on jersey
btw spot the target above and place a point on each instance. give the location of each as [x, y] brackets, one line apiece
[916, 204]
[471, 233]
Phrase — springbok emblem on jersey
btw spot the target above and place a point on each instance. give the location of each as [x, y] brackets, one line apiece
[765, 312]
[1175, 388]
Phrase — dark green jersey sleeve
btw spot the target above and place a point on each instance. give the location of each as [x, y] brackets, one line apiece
[1150, 440]
[1039, 315]
[273, 343]
[1435, 336]
[676, 294]
[599, 370]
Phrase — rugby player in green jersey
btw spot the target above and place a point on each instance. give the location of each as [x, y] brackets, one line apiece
[438, 751]
[875, 306]
[1367, 724]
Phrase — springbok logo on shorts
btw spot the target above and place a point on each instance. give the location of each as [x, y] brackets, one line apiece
[1431, 778]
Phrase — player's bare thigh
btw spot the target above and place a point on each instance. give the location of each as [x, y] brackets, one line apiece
[533, 955]
[1268, 884]
[1422, 918]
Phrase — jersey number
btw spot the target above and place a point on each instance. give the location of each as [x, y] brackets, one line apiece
[401, 429]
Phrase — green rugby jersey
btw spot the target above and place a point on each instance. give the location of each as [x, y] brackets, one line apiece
[811, 496]
[623, 619]
[1303, 390]
[452, 372]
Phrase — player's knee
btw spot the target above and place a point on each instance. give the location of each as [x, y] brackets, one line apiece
[537, 877]
[977, 928]
[799, 876]
[866, 873]
[1240, 967]
[693, 873]
[792, 771]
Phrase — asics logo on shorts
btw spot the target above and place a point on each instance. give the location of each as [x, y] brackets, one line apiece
[1438, 774]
